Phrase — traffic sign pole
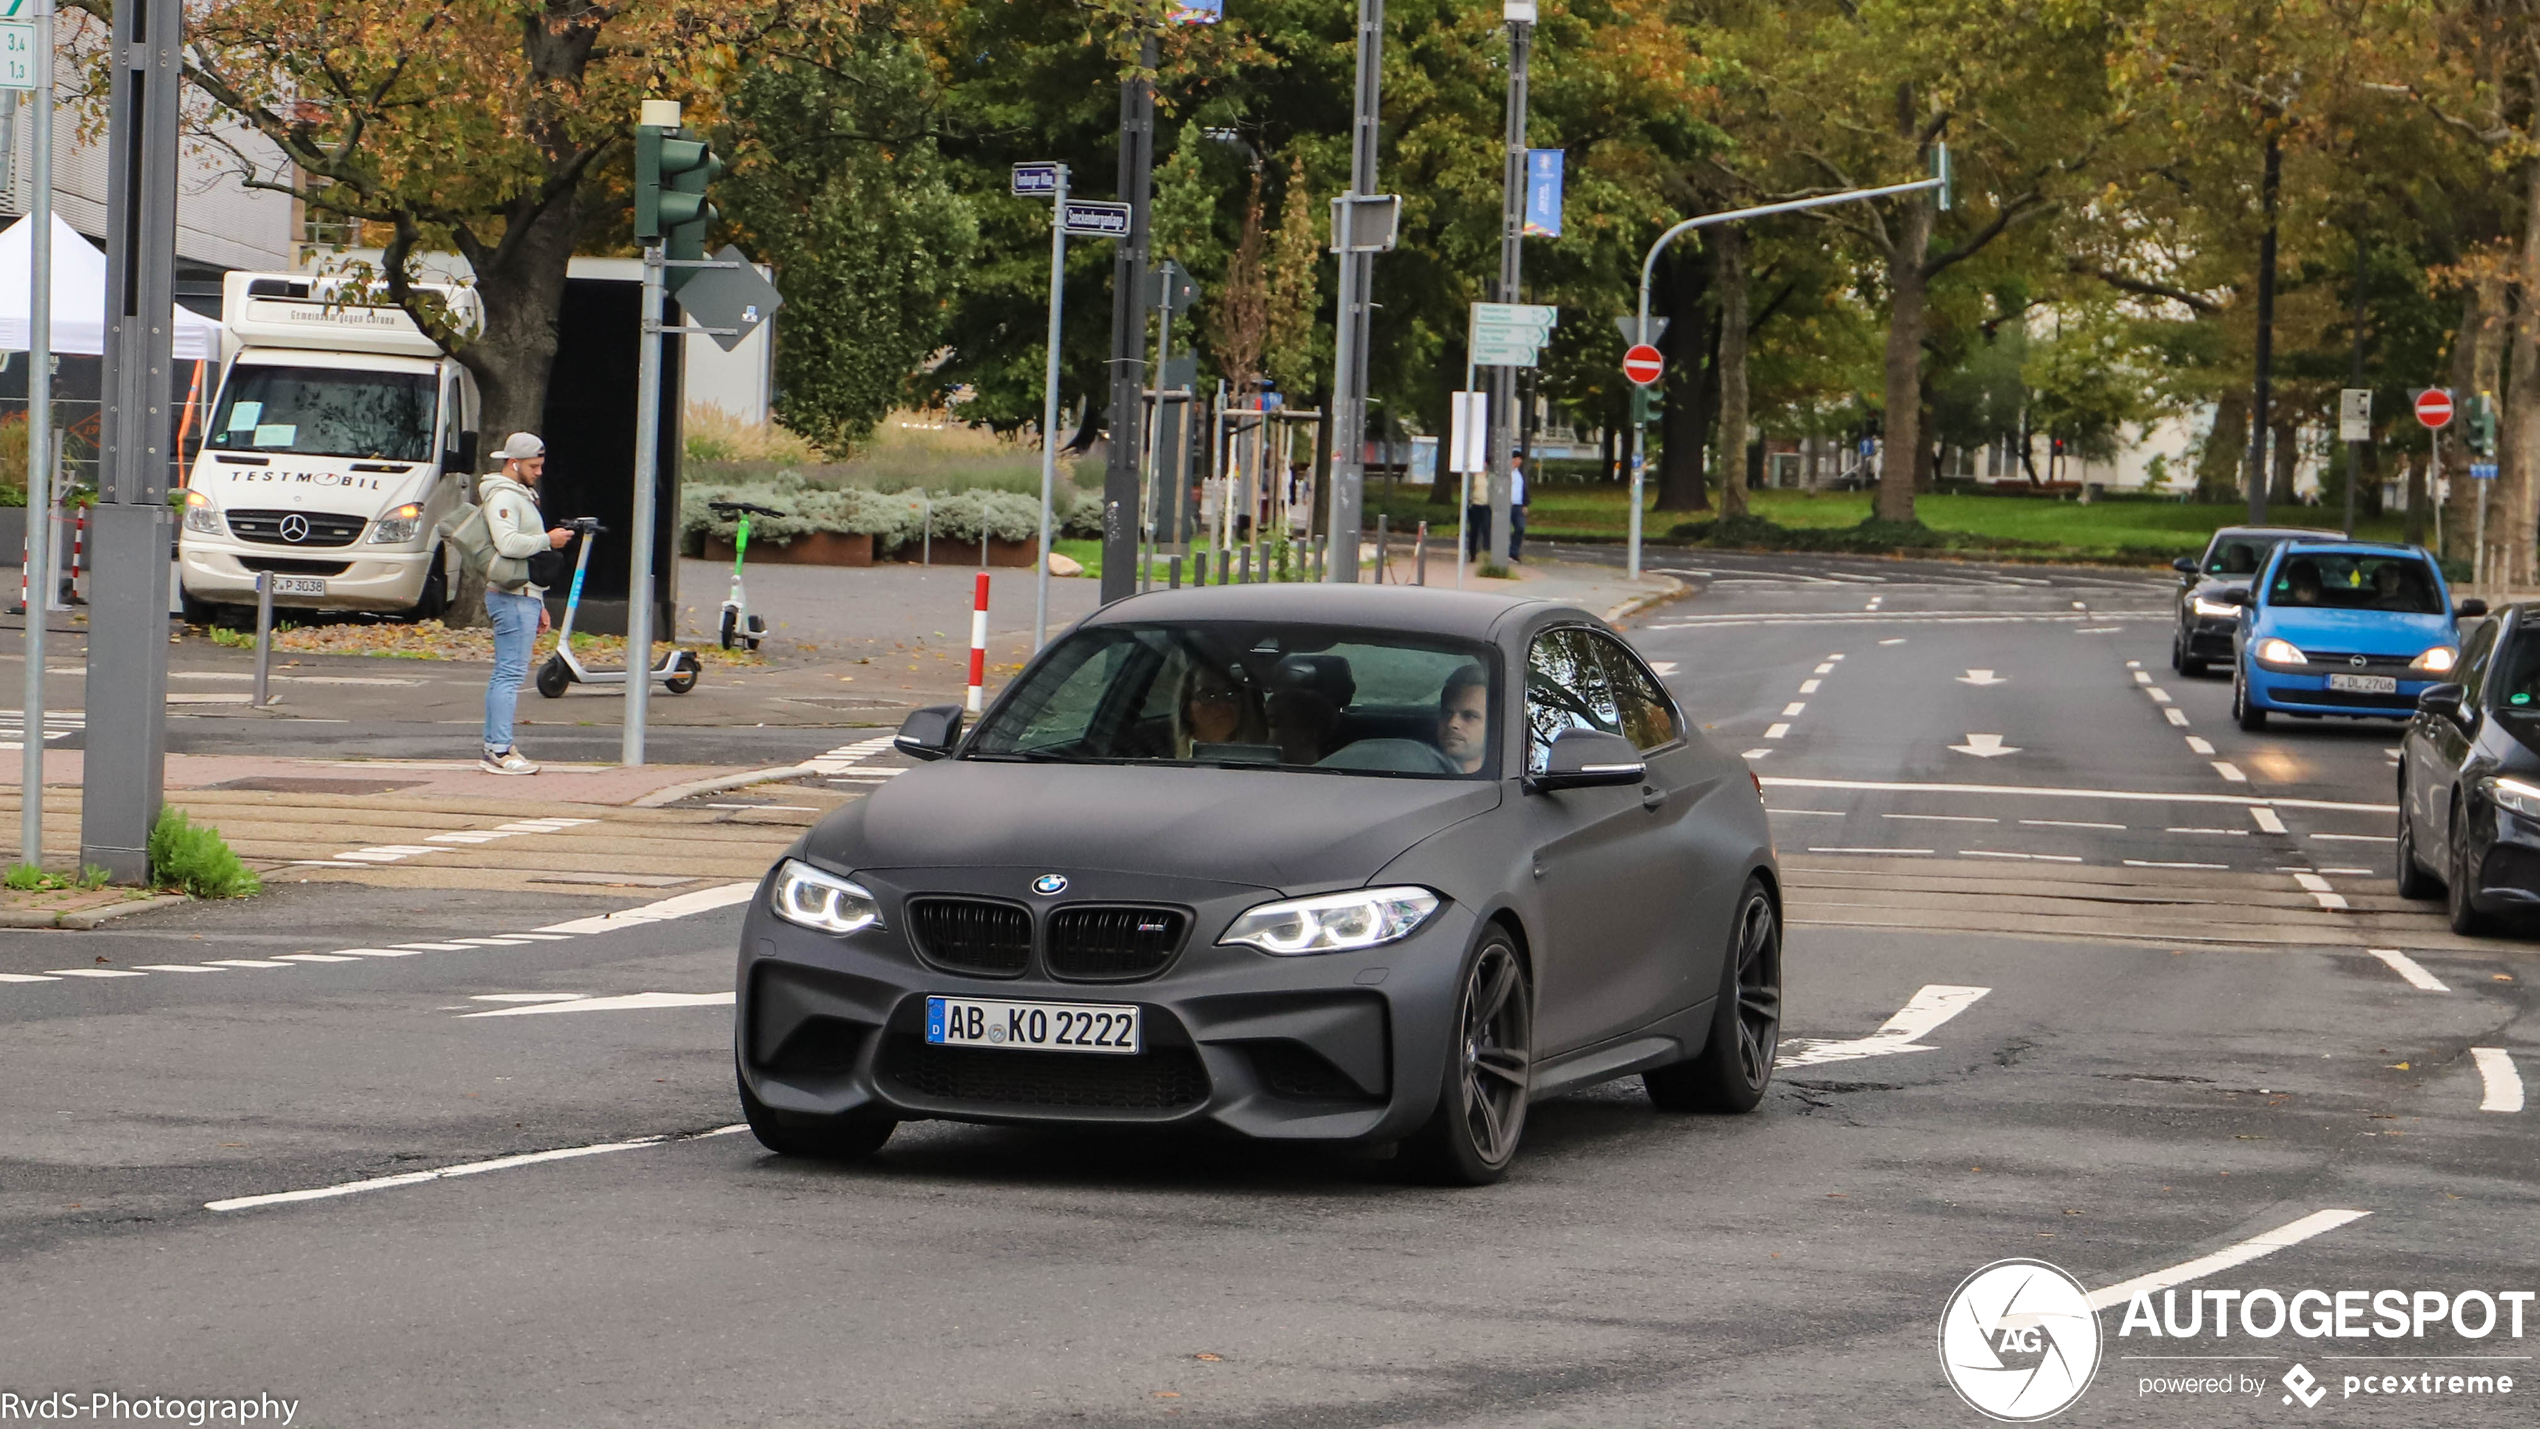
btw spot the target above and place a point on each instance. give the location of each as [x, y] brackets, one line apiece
[39, 442]
[1049, 401]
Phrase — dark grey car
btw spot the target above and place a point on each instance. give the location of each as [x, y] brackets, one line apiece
[2206, 619]
[1327, 863]
[2469, 779]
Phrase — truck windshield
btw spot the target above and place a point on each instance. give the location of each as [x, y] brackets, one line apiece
[320, 411]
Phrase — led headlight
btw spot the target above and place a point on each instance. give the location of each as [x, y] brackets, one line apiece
[201, 516]
[1333, 922]
[2280, 652]
[823, 901]
[397, 525]
[2214, 609]
[2437, 661]
[2522, 798]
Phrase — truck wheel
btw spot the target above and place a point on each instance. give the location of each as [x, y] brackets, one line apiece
[198, 612]
[554, 676]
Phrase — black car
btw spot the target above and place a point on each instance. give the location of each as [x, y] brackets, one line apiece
[2469, 778]
[2202, 633]
[1329, 863]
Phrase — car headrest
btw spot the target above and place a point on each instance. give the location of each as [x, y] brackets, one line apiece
[1325, 675]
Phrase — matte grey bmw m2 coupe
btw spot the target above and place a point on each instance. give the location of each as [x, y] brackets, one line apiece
[1352, 864]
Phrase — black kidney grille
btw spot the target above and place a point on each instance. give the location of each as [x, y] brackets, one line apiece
[324, 528]
[1113, 942]
[972, 934]
[1158, 1079]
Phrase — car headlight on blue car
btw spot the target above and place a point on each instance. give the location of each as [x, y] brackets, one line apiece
[2281, 652]
[823, 902]
[2437, 661]
[2514, 794]
[1332, 922]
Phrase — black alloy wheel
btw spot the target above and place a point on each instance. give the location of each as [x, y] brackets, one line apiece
[1481, 1115]
[2414, 881]
[2244, 713]
[851, 1138]
[2459, 887]
[1736, 1064]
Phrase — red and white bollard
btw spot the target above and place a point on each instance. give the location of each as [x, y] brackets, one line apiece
[978, 644]
[79, 539]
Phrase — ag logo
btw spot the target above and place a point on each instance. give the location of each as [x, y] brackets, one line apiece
[2019, 1341]
[1049, 883]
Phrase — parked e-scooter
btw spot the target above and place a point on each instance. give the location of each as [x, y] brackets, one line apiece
[739, 626]
[678, 669]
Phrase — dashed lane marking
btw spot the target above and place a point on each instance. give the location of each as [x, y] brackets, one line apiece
[1811, 813]
[438, 843]
[2319, 890]
[2268, 820]
[1869, 850]
[2175, 715]
[2355, 838]
[2230, 771]
[1776, 731]
[90, 972]
[470, 1168]
[2068, 824]
[2199, 745]
[2409, 968]
[2265, 1244]
[2030, 857]
[2155, 863]
[1885, 786]
[1945, 818]
[2504, 1084]
[631, 1002]
[1809, 687]
[1794, 709]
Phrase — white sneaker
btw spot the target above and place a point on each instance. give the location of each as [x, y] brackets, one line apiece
[510, 761]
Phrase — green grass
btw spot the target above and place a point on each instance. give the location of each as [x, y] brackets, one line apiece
[2109, 529]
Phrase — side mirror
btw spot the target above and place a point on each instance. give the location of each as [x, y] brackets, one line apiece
[2234, 596]
[1588, 759]
[2444, 700]
[2184, 565]
[2470, 609]
[462, 457]
[929, 733]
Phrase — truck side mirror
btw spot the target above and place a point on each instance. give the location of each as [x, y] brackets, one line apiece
[463, 456]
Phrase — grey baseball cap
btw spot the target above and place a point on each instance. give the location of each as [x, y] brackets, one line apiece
[521, 446]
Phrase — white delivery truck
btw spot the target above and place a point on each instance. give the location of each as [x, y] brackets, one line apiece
[340, 438]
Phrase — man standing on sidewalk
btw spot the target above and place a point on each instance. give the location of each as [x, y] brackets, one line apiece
[1516, 509]
[514, 532]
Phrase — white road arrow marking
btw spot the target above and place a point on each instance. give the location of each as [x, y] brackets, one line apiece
[631, 1002]
[1981, 677]
[1927, 1010]
[2504, 1084]
[1984, 746]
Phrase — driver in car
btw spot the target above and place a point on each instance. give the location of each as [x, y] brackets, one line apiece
[1464, 719]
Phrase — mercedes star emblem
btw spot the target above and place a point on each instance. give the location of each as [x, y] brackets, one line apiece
[295, 528]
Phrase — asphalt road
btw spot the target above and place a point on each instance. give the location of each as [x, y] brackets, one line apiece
[2156, 1034]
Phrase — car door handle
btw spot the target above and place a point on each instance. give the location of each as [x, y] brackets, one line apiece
[1651, 796]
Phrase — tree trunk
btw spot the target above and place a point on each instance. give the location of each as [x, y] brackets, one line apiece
[2218, 465]
[1901, 434]
[1731, 251]
[2417, 486]
[2281, 461]
[1687, 419]
[2518, 454]
[521, 290]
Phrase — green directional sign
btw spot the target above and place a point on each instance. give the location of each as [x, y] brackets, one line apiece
[17, 47]
[1511, 334]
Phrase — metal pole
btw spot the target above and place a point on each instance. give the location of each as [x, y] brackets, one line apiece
[1357, 270]
[2355, 378]
[39, 444]
[1152, 474]
[1640, 436]
[127, 691]
[264, 638]
[2266, 336]
[1512, 248]
[1049, 409]
[639, 580]
[1129, 333]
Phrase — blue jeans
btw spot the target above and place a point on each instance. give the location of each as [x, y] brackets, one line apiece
[515, 620]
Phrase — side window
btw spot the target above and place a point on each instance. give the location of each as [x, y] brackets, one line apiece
[1567, 687]
[1067, 713]
[1648, 718]
[2475, 652]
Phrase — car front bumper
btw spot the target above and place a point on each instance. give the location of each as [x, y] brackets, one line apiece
[360, 576]
[2209, 638]
[1335, 1046]
[2308, 693]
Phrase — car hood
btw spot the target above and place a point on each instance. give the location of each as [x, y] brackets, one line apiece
[1275, 828]
[2359, 632]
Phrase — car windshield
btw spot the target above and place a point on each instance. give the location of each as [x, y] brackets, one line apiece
[2340, 580]
[2238, 555]
[322, 411]
[1254, 695]
[2515, 687]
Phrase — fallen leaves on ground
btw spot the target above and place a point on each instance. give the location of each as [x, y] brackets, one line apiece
[431, 640]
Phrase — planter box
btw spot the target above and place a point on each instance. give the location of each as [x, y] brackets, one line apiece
[1022, 554]
[817, 548]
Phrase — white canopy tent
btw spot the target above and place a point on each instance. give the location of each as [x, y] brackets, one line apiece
[79, 297]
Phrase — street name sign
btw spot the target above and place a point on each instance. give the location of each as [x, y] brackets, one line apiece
[1034, 180]
[1087, 218]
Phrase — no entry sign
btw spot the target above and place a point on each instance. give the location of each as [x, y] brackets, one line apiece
[1643, 364]
[2434, 407]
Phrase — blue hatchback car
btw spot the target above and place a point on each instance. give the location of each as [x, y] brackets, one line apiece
[2343, 628]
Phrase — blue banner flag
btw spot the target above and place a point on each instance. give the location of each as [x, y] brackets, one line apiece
[1543, 193]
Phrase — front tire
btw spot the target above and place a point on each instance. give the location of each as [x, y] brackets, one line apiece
[1736, 1064]
[2466, 920]
[852, 1138]
[686, 679]
[1472, 1136]
[2245, 711]
[554, 676]
[434, 598]
[2414, 881]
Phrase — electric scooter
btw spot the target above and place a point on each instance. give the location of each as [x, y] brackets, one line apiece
[739, 626]
[678, 669]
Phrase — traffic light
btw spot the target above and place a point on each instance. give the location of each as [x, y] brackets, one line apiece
[672, 169]
[2482, 425]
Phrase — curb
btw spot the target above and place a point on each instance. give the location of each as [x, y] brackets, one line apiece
[81, 920]
[1647, 600]
[672, 794]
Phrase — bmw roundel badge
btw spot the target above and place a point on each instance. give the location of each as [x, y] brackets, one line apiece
[1049, 883]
